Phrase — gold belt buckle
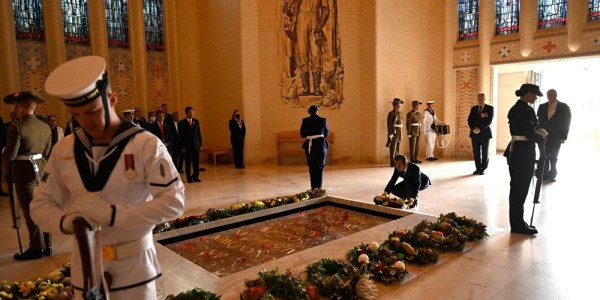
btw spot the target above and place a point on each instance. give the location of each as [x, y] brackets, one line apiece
[109, 252]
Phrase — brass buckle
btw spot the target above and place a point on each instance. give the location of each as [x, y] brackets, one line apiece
[109, 252]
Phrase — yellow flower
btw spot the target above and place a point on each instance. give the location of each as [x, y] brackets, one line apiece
[25, 288]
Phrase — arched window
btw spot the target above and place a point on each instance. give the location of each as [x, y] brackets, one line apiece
[468, 19]
[116, 23]
[594, 8]
[507, 16]
[75, 21]
[28, 19]
[552, 13]
[153, 21]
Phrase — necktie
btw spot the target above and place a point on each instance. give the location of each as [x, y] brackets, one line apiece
[480, 109]
[162, 130]
[190, 121]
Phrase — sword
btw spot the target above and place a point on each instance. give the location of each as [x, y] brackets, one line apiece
[539, 174]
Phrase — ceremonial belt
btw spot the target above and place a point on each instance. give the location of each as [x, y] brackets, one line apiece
[127, 249]
[519, 138]
[398, 125]
[415, 124]
[29, 157]
[312, 137]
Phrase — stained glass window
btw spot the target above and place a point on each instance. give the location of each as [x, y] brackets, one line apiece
[552, 13]
[116, 20]
[507, 16]
[153, 20]
[468, 19]
[594, 6]
[28, 19]
[75, 21]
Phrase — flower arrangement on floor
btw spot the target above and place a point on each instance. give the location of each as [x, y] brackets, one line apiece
[383, 262]
[275, 285]
[214, 214]
[57, 286]
[337, 279]
[391, 201]
[194, 294]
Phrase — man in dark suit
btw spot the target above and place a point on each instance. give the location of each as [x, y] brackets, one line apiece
[414, 180]
[480, 119]
[190, 141]
[27, 147]
[176, 155]
[314, 129]
[164, 130]
[555, 117]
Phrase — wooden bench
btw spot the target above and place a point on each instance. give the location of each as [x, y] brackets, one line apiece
[214, 151]
[290, 143]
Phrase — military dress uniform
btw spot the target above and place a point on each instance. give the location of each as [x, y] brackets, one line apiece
[133, 176]
[394, 129]
[28, 142]
[430, 120]
[315, 131]
[413, 129]
[520, 154]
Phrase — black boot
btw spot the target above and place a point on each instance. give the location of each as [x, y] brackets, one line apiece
[317, 83]
[305, 83]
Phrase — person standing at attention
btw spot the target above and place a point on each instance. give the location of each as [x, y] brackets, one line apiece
[555, 117]
[190, 141]
[430, 120]
[28, 145]
[479, 120]
[413, 128]
[314, 129]
[237, 128]
[520, 154]
[115, 175]
[394, 129]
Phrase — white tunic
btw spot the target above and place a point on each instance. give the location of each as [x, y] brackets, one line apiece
[429, 133]
[154, 195]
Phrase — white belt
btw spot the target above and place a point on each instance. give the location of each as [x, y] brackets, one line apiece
[127, 249]
[29, 157]
[519, 138]
[398, 125]
[415, 124]
[312, 137]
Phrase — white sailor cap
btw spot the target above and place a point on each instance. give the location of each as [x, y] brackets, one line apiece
[127, 111]
[430, 102]
[78, 81]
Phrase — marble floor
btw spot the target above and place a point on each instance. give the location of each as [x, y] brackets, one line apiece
[558, 263]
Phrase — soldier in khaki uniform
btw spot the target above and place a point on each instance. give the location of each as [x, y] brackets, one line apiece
[27, 147]
[413, 129]
[394, 129]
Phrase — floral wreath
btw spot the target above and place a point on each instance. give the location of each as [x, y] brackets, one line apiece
[383, 262]
[337, 279]
[272, 284]
[390, 201]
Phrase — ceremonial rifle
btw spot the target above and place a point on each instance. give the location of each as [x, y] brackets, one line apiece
[93, 287]
[15, 213]
[539, 174]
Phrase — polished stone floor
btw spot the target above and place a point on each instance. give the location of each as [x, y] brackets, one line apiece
[558, 263]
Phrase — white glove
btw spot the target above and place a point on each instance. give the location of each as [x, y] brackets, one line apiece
[66, 224]
[391, 136]
[93, 207]
[409, 136]
[542, 132]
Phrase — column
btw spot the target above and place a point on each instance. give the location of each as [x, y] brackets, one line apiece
[55, 46]
[528, 24]
[137, 44]
[171, 42]
[9, 67]
[97, 26]
[577, 16]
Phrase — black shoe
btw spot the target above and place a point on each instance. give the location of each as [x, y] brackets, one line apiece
[197, 180]
[28, 255]
[481, 172]
[476, 172]
[414, 204]
[202, 170]
[418, 161]
[430, 159]
[190, 180]
[524, 230]
[435, 158]
[3, 193]
[47, 251]
[414, 161]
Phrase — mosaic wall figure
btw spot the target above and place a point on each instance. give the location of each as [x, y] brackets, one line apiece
[312, 71]
[158, 76]
[33, 70]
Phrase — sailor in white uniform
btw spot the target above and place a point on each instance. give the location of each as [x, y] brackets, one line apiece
[430, 120]
[115, 175]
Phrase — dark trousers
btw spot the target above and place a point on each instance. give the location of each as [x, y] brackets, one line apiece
[37, 239]
[192, 164]
[238, 152]
[521, 172]
[400, 190]
[413, 142]
[394, 148]
[177, 157]
[480, 153]
[316, 165]
[552, 149]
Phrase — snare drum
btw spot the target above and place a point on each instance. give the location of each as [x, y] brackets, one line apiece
[442, 129]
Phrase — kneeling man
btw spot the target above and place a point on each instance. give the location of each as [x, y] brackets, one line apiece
[414, 180]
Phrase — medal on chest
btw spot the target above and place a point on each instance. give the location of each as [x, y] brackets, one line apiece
[129, 166]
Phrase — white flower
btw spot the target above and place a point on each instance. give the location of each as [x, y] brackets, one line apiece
[374, 246]
[399, 265]
[363, 258]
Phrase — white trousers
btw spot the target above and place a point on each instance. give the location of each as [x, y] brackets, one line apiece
[430, 142]
[146, 292]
